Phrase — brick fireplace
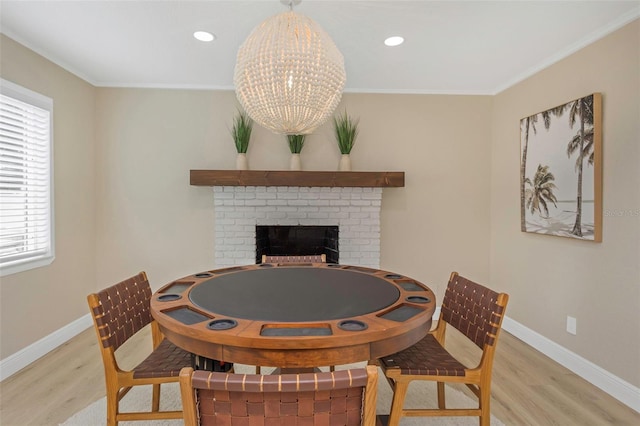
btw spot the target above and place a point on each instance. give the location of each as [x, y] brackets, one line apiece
[354, 210]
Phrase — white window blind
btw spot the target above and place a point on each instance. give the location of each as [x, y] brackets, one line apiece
[26, 214]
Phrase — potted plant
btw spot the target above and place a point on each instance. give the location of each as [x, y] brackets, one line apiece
[346, 131]
[296, 142]
[241, 132]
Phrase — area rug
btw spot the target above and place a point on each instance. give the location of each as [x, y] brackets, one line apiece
[139, 399]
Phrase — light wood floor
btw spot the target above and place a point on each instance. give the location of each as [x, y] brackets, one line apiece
[528, 388]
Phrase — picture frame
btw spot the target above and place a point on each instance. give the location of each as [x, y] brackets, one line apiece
[561, 170]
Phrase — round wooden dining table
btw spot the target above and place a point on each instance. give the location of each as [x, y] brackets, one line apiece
[294, 315]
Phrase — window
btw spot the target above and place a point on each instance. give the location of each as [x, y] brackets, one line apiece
[26, 179]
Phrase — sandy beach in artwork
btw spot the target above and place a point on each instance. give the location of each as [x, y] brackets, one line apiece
[560, 225]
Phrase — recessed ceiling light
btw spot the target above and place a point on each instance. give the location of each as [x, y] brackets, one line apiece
[204, 36]
[394, 41]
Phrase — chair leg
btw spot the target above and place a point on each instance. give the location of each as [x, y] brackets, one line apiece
[257, 369]
[155, 402]
[485, 411]
[441, 398]
[112, 407]
[397, 404]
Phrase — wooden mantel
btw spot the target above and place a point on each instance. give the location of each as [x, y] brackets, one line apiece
[296, 178]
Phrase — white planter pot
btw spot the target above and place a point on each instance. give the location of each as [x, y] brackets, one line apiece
[241, 162]
[345, 163]
[294, 162]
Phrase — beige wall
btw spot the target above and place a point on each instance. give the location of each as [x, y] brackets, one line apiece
[149, 217]
[35, 303]
[458, 211]
[552, 277]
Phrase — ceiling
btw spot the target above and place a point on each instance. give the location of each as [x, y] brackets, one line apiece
[451, 47]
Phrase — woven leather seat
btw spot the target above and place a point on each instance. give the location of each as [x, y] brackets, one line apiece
[477, 313]
[119, 312]
[346, 398]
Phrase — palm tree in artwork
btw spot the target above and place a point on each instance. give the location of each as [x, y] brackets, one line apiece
[530, 123]
[582, 144]
[540, 191]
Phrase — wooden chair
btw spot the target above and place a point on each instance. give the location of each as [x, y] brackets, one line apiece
[119, 312]
[477, 312]
[334, 398]
[312, 258]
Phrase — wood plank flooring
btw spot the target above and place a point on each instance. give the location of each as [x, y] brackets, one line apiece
[528, 387]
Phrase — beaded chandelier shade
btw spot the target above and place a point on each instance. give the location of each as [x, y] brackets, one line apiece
[289, 74]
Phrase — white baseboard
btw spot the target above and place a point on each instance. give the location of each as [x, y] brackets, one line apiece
[616, 387]
[17, 361]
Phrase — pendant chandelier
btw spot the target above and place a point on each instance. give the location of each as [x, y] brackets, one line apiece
[289, 74]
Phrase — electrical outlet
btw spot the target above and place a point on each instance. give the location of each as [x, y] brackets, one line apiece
[571, 325]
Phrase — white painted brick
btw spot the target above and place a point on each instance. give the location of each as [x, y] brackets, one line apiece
[224, 195]
[359, 215]
[259, 215]
[287, 195]
[308, 209]
[277, 215]
[328, 196]
[372, 196]
[371, 223]
[245, 195]
[351, 209]
[338, 215]
[297, 215]
[266, 195]
[354, 210]
[318, 215]
[309, 196]
[371, 209]
[286, 209]
[266, 209]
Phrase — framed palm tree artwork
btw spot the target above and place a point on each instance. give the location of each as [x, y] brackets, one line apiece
[561, 170]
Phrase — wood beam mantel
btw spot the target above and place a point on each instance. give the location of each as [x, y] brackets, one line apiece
[296, 178]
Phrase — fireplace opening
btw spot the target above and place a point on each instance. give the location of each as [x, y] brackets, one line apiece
[297, 241]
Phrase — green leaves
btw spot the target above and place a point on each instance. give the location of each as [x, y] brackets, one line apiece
[346, 131]
[296, 142]
[241, 131]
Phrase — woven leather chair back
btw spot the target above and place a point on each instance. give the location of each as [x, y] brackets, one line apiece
[472, 309]
[327, 398]
[124, 310]
[312, 258]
